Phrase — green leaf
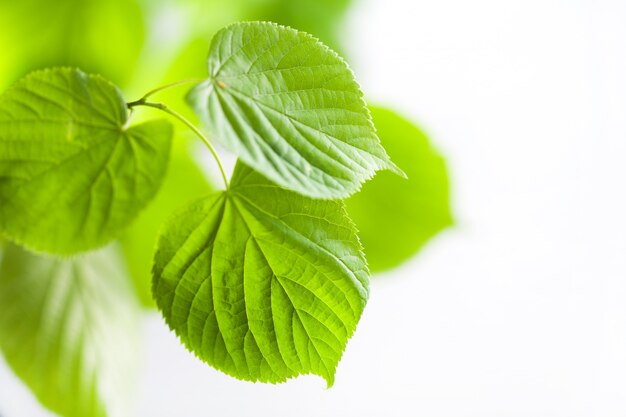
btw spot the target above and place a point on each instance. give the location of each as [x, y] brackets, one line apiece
[290, 108]
[183, 183]
[72, 174]
[396, 217]
[260, 282]
[68, 329]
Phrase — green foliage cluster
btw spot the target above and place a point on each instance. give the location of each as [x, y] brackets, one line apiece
[264, 279]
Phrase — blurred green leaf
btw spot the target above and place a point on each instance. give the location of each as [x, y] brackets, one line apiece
[72, 174]
[290, 108]
[100, 36]
[396, 217]
[183, 182]
[68, 329]
[260, 282]
[321, 18]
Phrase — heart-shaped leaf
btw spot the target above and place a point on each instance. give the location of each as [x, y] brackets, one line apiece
[260, 282]
[72, 173]
[290, 108]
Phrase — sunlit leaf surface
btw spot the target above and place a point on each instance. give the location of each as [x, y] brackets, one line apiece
[260, 282]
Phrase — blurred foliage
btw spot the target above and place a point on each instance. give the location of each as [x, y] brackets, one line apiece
[395, 216]
[69, 329]
[99, 36]
[321, 18]
[183, 182]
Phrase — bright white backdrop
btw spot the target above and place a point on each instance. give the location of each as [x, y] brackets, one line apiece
[521, 308]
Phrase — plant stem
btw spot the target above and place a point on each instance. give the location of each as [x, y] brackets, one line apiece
[166, 86]
[182, 119]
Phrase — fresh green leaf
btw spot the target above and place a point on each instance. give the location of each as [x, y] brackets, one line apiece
[396, 217]
[72, 174]
[260, 282]
[68, 329]
[290, 108]
[183, 183]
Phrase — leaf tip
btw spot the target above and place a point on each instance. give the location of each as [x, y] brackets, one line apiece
[396, 170]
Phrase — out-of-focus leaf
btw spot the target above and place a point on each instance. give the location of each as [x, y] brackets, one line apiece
[260, 282]
[321, 18]
[68, 329]
[395, 216]
[72, 173]
[100, 36]
[183, 182]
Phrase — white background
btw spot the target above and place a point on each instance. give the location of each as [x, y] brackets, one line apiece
[521, 308]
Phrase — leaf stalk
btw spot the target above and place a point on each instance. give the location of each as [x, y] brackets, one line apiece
[170, 85]
[161, 106]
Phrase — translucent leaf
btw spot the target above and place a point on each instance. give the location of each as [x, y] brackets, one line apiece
[72, 174]
[68, 329]
[290, 108]
[396, 217]
[260, 282]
